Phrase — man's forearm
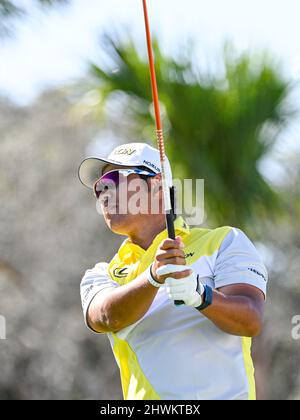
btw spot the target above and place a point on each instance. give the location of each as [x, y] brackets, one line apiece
[122, 306]
[236, 314]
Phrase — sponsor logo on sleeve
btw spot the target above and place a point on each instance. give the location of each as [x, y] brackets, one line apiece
[87, 293]
[257, 272]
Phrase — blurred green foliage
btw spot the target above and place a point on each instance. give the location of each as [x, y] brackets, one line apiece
[216, 127]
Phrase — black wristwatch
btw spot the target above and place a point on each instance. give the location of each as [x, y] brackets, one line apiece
[207, 298]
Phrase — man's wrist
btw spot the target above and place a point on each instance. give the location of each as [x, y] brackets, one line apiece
[154, 282]
[207, 298]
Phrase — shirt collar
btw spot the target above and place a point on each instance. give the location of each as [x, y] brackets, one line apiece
[128, 250]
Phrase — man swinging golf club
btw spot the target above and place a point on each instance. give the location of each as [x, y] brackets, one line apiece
[179, 311]
[193, 351]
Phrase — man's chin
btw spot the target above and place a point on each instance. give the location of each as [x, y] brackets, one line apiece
[118, 223]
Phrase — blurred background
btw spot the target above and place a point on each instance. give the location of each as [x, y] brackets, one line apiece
[74, 79]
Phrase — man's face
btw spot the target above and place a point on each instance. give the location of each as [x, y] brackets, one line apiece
[131, 203]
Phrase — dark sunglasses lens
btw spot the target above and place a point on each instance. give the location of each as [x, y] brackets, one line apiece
[106, 182]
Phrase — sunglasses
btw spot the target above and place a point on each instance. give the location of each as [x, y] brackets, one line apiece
[113, 178]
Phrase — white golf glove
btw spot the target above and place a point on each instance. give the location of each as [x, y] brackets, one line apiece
[189, 289]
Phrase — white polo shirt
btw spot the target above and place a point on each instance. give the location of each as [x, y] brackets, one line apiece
[176, 353]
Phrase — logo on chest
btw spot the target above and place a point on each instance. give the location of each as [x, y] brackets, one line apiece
[120, 273]
[190, 254]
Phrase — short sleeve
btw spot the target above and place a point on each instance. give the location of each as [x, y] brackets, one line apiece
[93, 282]
[239, 262]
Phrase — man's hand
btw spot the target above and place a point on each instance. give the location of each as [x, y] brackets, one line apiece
[189, 290]
[170, 252]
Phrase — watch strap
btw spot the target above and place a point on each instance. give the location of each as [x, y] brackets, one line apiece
[150, 278]
[207, 298]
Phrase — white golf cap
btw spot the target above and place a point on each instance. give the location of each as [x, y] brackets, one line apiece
[128, 155]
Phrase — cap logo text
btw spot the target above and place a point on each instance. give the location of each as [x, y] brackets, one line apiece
[124, 152]
[146, 162]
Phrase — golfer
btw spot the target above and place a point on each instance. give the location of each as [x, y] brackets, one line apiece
[194, 351]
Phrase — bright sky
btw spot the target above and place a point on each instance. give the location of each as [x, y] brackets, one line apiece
[51, 48]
